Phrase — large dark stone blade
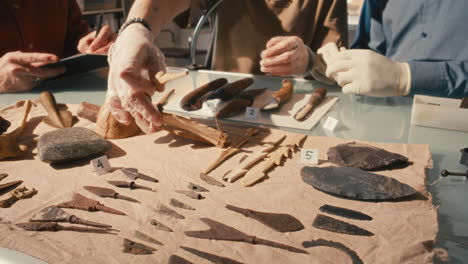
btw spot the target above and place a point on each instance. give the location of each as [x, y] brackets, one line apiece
[364, 156]
[344, 212]
[325, 243]
[211, 257]
[331, 224]
[355, 183]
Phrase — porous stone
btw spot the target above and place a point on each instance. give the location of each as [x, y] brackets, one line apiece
[68, 144]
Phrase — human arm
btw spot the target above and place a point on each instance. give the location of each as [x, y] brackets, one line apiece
[19, 71]
[99, 44]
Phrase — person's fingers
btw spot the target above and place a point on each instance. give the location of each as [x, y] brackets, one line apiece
[274, 40]
[344, 78]
[103, 38]
[350, 89]
[83, 44]
[287, 44]
[338, 66]
[286, 57]
[25, 58]
[279, 70]
[104, 50]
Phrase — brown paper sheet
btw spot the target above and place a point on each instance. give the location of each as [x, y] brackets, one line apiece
[401, 228]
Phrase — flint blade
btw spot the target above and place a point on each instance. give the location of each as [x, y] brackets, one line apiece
[331, 224]
[54, 227]
[211, 257]
[135, 248]
[210, 180]
[191, 194]
[174, 259]
[179, 204]
[197, 188]
[133, 174]
[272, 104]
[340, 211]
[146, 238]
[160, 226]
[106, 192]
[3, 176]
[169, 212]
[355, 183]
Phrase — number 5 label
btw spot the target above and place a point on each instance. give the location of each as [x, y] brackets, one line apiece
[309, 156]
[251, 113]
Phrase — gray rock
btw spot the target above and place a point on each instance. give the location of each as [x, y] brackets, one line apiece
[68, 144]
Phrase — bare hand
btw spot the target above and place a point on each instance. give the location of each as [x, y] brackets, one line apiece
[134, 61]
[19, 71]
[285, 56]
[97, 45]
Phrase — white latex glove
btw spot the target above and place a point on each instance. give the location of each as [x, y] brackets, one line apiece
[134, 60]
[369, 73]
[324, 56]
[20, 71]
[284, 56]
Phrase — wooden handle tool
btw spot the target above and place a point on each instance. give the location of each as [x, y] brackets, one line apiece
[315, 99]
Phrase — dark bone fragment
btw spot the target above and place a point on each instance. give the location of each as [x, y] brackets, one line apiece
[131, 185]
[106, 192]
[331, 224]
[3, 176]
[191, 194]
[197, 188]
[228, 91]
[54, 227]
[211, 257]
[340, 211]
[325, 243]
[55, 214]
[16, 195]
[194, 99]
[4, 125]
[146, 238]
[210, 180]
[239, 104]
[84, 203]
[160, 226]
[135, 248]
[162, 209]
[366, 157]
[179, 204]
[354, 183]
[174, 259]
[219, 231]
[278, 222]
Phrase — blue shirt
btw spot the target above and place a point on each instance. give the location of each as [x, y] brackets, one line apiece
[431, 35]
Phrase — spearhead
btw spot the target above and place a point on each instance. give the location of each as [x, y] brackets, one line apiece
[135, 248]
[55, 214]
[133, 174]
[197, 188]
[84, 203]
[160, 226]
[331, 224]
[106, 192]
[179, 204]
[131, 185]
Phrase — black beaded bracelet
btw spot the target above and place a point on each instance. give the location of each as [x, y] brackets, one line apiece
[134, 20]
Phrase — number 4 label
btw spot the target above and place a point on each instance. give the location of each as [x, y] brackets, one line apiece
[251, 113]
[309, 156]
[101, 165]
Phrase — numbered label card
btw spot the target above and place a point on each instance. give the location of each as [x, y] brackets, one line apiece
[309, 156]
[101, 165]
[251, 113]
[330, 124]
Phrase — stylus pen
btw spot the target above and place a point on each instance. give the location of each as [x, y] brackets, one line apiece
[98, 24]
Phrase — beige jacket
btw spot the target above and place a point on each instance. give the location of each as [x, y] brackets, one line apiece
[245, 26]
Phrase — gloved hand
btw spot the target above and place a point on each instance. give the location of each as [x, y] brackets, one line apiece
[324, 56]
[285, 56]
[369, 73]
[134, 60]
[97, 44]
[19, 71]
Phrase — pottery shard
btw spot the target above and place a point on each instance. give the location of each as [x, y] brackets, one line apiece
[68, 144]
[364, 156]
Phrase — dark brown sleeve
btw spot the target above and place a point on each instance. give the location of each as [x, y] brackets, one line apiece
[77, 28]
[333, 24]
[190, 17]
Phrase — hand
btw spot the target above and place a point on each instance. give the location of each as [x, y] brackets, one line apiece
[285, 56]
[369, 73]
[19, 71]
[97, 44]
[134, 61]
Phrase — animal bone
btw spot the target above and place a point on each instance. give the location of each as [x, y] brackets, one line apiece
[4, 125]
[252, 159]
[315, 99]
[233, 149]
[9, 148]
[108, 127]
[259, 171]
[239, 104]
[194, 99]
[88, 111]
[18, 194]
[58, 118]
[228, 91]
